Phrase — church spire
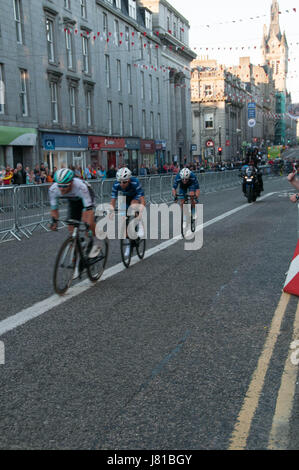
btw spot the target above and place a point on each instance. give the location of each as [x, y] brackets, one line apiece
[274, 26]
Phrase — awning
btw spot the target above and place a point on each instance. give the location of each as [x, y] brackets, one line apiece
[17, 136]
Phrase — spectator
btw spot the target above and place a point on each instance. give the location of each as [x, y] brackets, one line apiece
[142, 171]
[101, 173]
[111, 173]
[88, 173]
[8, 176]
[43, 177]
[19, 176]
[37, 174]
[30, 179]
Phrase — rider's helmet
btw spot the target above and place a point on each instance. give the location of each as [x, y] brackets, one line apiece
[64, 176]
[123, 174]
[185, 174]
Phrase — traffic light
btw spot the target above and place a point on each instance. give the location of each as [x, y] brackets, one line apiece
[220, 151]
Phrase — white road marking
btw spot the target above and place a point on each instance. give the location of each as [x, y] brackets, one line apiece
[44, 306]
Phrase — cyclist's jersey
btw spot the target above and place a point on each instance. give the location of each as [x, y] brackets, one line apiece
[192, 183]
[80, 191]
[132, 191]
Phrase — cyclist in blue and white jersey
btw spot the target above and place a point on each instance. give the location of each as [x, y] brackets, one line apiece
[129, 187]
[81, 203]
[187, 181]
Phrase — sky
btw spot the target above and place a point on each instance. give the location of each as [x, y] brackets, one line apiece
[234, 33]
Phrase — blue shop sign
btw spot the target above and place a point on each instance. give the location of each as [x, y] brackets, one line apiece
[251, 110]
[160, 144]
[64, 142]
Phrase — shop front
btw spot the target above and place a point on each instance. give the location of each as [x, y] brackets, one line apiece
[17, 145]
[147, 150]
[63, 150]
[160, 159]
[131, 154]
[106, 151]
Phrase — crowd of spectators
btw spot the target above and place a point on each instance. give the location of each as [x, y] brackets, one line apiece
[41, 174]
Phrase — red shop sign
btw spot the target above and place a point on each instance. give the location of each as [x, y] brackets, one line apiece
[106, 143]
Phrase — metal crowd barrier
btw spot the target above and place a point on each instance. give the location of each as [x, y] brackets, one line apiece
[25, 208]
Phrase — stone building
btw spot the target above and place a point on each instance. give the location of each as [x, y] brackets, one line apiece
[94, 81]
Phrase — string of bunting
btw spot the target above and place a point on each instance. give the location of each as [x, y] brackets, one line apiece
[240, 20]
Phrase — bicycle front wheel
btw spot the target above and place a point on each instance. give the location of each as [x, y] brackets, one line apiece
[140, 247]
[126, 251]
[65, 266]
[96, 266]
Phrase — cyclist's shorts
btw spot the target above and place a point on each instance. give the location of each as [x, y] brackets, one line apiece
[183, 192]
[124, 207]
[75, 209]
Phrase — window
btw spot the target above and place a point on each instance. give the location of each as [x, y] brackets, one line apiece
[50, 39]
[118, 4]
[142, 86]
[159, 126]
[121, 119]
[131, 127]
[88, 100]
[152, 125]
[107, 70]
[69, 49]
[83, 9]
[105, 25]
[67, 4]
[23, 92]
[72, 92]
[127, 38]
[109, 117]
[151, 88]
[54, 102]
[158, 90]
[148, 20]
[2, 90]
[118, 72]
[116, 32]
[143, 124]
[129, 79]
[85, 51]
[132, 9]
[209, 121]
[208, 90]
[18, 20]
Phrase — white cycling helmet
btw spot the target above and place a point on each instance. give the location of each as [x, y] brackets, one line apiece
[64, 176]
[185, 174]
[123, 174]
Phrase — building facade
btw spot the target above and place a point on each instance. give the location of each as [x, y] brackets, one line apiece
[94, 81]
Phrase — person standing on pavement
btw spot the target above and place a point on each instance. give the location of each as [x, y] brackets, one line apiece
[294, 182]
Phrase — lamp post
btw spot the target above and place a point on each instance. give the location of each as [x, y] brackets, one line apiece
[220, 146]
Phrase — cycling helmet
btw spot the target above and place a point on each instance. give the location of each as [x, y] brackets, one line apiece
[64, 176]
[123, 174]
[185, 174]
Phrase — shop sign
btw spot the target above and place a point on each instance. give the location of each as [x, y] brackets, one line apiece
[160, 144]
[132, 144]
[148, 146]
[106, 143]
[64, 141]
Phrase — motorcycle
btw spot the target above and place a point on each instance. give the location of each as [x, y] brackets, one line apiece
[251, 185]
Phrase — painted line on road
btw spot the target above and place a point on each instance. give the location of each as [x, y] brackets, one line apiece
[242, 428]
[279, 436]
[44, 306]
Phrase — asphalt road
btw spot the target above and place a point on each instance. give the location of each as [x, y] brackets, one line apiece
[180, 351]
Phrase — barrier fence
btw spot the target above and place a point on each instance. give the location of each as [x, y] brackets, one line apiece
[25, 208]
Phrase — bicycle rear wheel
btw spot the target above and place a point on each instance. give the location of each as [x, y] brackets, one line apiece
[140, 247]
[96, 266]
[65, 266]
[126, 251]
